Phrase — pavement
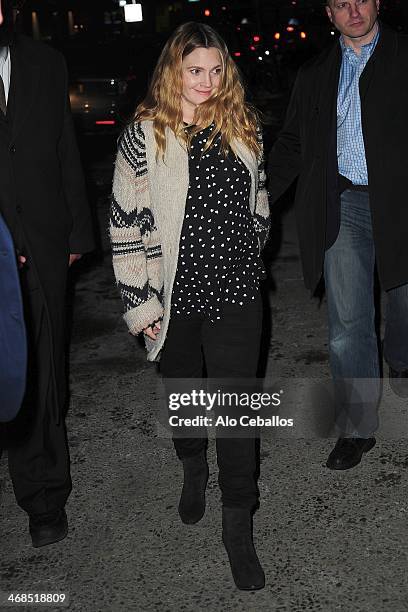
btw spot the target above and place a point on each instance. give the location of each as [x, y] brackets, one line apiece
[328, 541]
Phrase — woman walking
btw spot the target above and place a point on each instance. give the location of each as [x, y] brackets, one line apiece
[189, 217]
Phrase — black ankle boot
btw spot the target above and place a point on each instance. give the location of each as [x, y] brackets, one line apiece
[192, 501]
[237, 537]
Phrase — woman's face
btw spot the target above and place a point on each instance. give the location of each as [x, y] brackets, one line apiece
[201, 70]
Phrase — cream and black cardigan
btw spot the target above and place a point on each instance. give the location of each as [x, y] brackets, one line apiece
[146, 218]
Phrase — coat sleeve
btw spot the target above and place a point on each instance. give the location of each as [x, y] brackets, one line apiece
[262, 215]
[285, 157]
[81, 239]
[136, 249]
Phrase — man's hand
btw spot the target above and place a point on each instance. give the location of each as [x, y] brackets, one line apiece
[74, 257]
[21, 261]
[152, 330]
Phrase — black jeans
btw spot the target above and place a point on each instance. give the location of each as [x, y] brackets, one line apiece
[230, 349]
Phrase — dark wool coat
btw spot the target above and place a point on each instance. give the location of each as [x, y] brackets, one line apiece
[42, 194]
[306, 148]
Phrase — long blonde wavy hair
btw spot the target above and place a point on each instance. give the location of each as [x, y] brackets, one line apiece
[232, 116]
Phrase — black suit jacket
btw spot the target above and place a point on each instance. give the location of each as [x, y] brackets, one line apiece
[42, 193]
[307, 147]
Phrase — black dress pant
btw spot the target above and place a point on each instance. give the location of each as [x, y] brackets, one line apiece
[230, 349]
[36, 445]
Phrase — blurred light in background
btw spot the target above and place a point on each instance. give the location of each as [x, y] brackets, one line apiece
[133, 12]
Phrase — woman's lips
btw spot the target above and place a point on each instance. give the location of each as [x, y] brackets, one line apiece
[203, 93]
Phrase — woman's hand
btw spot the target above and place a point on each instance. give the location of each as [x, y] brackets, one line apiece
[21, 261]
[152, 330]
[73, 257]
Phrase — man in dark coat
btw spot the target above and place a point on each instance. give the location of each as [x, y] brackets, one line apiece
[345, 137]
[42, 198]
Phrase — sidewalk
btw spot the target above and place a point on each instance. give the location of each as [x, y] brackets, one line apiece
[328, 541]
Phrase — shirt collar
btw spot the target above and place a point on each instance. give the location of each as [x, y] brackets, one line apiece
[4, 51]
[366, 50]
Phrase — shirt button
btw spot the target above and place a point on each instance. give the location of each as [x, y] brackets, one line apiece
[12, 149]
[19, 209]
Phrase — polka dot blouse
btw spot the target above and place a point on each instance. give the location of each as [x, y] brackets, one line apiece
[218, 256]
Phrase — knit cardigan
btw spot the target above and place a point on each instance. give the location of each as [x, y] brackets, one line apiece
[146, 218]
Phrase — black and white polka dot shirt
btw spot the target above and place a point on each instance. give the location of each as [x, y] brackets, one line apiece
[219, 256]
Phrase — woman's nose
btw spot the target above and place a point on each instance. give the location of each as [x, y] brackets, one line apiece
[206, 81]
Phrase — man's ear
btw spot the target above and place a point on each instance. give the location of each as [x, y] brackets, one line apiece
[329, 13]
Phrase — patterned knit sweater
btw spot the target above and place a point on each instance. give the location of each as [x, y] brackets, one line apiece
[146, 218]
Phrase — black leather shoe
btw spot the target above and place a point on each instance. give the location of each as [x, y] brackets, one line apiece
[348, 452]
[48, 528]
[192, 501]
[399, 382]
[246, 569]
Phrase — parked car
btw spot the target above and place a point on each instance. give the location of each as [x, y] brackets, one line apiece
[98, 104]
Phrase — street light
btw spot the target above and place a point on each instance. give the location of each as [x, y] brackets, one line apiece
[133, 12]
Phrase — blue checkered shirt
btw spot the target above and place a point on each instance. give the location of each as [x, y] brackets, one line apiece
[350, 143]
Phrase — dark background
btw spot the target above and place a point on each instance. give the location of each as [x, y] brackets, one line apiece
[110, 61]
[98, 43]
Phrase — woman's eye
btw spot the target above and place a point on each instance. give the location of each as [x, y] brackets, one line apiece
[194, 71]
[217, 71]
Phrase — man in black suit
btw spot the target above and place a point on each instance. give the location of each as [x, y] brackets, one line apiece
[42, 198]
[345, 137]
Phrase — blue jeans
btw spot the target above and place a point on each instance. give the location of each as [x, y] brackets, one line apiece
[353, 345]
